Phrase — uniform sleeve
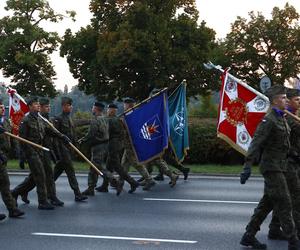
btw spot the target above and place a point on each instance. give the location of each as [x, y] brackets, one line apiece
[261, 135]
[23, 132]
[294, 125]
[91, 131]
[52, 131]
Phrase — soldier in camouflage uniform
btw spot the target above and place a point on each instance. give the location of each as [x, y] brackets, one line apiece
[116, 149]
[270, 146]
[129, 158]
[28, 184]
[97, 140]
[4, 180]
[292, 178]
[64, 124]
[34, 129]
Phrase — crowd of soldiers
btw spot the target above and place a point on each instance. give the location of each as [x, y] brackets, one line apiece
[276, 147]
[109, 144]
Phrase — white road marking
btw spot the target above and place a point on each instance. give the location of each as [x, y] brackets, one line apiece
[114, 238]
[201, 201]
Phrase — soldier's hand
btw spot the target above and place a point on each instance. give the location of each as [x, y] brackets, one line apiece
[66, 139]
[244, 176]
[2, 130]
[3, 159]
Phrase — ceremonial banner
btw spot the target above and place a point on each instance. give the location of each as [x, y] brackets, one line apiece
[17, 109]
[178, 119]
[241, 110]
[148, 127]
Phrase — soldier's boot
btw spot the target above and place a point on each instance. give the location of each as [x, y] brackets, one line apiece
[2, 217]
[119, 187]
[293, 243]
[142, 183]
[15, 213]
[276, 234]
[174, 179]
[102, 189]
[148, 185]
[159, 177]
[141, 179]
[133, 186]
[45, 206]
[56, 202]
[79, 197]
[24, 198]
[89, 191]
[249, 240]
[185, 173]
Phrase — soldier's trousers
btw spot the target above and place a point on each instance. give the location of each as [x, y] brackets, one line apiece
[7, 198]
[162, 166]
[277, 198]
[293, 183]
[28, 184]
[128, 159]
[170, 160]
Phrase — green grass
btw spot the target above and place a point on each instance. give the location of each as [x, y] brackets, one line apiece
[201, 169]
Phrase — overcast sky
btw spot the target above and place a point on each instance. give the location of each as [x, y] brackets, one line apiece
[217, 14]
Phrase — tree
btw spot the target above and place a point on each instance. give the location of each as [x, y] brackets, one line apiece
[131, 47]
[25, 46]
[265, 47]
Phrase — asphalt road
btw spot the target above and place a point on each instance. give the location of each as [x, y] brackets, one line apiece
[206, 213]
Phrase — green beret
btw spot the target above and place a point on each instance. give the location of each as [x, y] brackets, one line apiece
[31, 100]
[292, 93]
[275, 90]
[44, 101]
[66, 100]
[99, 104]
[129, 100]
[112, 105]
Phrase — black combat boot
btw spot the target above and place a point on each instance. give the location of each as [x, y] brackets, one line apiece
[2, 217]
[89, 192]
[185, 173]
[102, 189]
[277, 234]
[159, 177]
[15, 213]
[149, 184]
[133, 187]
[141, 179]
[173, 181]
[24, 198]
[249, 240]
[79, 197]
[56, 202]
[45, 206]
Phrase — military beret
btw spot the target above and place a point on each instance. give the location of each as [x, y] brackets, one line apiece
[32, 99]
[66, 100]
[129, 100]
[112, 105]
[99, 104]
[275, 90]
[292, 92]
[44, 101]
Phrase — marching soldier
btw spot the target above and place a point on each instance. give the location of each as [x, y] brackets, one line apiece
[4, 180]
[129, 158]
[97, 140]
[270, 146]
[34, 129]
[64, 124]
[28, 184]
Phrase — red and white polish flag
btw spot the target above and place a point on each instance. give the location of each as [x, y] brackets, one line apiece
[240, 111]
[17, 109]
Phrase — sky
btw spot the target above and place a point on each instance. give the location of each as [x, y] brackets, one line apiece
[217, 14]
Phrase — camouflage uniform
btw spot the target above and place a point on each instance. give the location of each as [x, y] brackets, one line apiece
[4, 180]
[64, 124]
[271, 145]
[97, 140]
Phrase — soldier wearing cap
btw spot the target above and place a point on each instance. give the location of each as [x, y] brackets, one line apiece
[65, 125]
[28, 184]
[293, 167]
[115, 150]
[4, 180]
[270, 147]
[97, 140]
[34, 129]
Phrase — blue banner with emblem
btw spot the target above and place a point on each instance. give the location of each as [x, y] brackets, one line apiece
[148, 127]
[178, 119]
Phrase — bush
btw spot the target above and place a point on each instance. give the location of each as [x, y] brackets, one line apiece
[206, 148]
